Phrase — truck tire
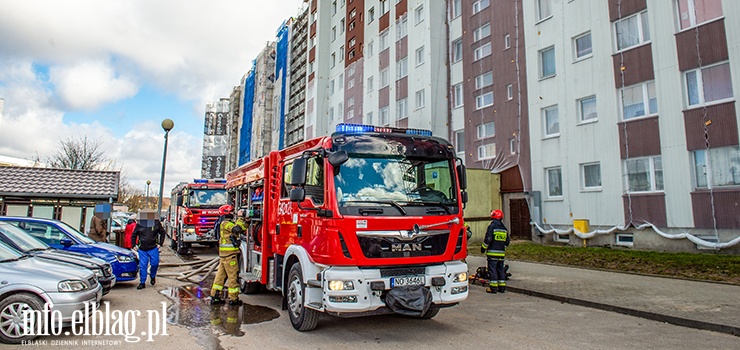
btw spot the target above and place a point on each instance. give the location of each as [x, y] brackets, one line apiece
[303, 319]
[431, 312]
[182, 247]
[250, 287]
[12, 307]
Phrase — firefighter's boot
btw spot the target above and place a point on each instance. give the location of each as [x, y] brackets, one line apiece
[491, 290]
[215, 300]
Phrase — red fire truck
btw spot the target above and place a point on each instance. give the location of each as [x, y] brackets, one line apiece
[194, 211]
[365, 221]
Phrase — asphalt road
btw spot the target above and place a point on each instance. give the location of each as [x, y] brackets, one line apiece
[501, 321]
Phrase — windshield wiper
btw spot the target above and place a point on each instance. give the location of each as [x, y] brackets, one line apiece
[434, 204]
[389, 202]
[37, 249]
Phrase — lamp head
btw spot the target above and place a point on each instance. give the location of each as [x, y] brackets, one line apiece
[168, 124]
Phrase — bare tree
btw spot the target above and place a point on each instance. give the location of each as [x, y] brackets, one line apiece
[79, 154]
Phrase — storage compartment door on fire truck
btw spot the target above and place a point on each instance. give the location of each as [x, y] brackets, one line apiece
[296, 224]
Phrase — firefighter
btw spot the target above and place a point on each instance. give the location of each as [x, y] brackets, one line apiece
[494, 246]
[228, 252]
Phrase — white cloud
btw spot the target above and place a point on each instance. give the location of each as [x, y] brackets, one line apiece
[89, 84]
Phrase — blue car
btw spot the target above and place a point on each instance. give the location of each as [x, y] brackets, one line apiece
[59, 235]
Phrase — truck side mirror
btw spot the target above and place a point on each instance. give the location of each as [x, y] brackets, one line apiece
[297, 194]
[464, 197]
[338, 158]
[179, 201]
[299, 172]
[463, 176]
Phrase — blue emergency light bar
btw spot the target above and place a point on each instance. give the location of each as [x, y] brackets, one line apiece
[361, 128]
[209, 181]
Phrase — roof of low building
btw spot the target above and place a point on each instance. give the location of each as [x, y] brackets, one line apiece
[58, 183]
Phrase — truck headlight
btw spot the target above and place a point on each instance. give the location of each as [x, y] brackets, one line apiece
[341, 285]
[71, 286]
[124, 258]
[190, 230]
[461, 277]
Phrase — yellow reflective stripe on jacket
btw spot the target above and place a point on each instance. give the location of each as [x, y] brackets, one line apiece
[495, 253]
[485, 246]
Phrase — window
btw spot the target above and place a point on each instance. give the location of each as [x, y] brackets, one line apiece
[341, 26]
[353, 13]
[554, 182]
[507, 41]
[457, 50]
[543, 9]
[482, 32]
[419, 14]
[384, 43]
[512, 146]
[370, 48]
[341, 53]
[456, 9]
[331, 87]
[457, 96]
[639, 99]
[402, 28]
[333, 33]
[482, 51]
[351, 71]
[333, 59]
[371, 14]
[709, 84]
[352, 42]
[486, 130]
[644, 174]
[624, 239]
[420, 102]
[402, 68]
[484, 100]
[479, 5]
[591, 176]
[370, 84]
[509, 92]
[487, 151]
[552, 124]
[632, 31]
[587, 109]
[350, 114]
[402, 109]
[384, 78]
[721, 168]
[340, 110]
[384, 7]
[582, 44]
[331, 114]
[695, 12]
[384, 116]
[460, 141]
[547, 62]
[350, 102]
[340, 81]
[419, 56]
[369, 118]
[334, 8]
[483, 80]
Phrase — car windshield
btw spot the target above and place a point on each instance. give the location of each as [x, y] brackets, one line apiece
[77, 234]
[8, 253]
[207, 198]
[21, 239]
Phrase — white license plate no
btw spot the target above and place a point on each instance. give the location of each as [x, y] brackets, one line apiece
[407, 281]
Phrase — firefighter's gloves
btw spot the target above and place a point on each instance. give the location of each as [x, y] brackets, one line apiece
[482, 250]
[236, 231]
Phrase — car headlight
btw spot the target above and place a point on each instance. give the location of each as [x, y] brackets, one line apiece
[98, 272]
[341, 285]
[461, 277]
[71, 286]
[124, 258]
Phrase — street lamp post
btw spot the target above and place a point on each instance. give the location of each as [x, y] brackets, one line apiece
[167, 125]
[146, 199]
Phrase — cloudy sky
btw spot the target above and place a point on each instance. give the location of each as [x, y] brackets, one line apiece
[113, 70]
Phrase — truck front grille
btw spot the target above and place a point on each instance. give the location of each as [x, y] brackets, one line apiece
[390, 247]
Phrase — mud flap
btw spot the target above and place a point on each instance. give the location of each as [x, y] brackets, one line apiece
[409, 300]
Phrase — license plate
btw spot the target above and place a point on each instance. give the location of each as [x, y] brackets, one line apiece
[408, 281]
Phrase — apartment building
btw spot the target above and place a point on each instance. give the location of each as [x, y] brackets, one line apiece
[215, 140]
[633, 118]
[232, 127]
[297, 63]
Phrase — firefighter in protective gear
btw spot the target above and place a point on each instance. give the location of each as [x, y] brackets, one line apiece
[494, 246]
[228, 252]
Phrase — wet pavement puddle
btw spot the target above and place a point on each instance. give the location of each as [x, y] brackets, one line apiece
[190, 308]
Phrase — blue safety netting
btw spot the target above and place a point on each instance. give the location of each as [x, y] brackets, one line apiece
[281, 72]
[245, 139]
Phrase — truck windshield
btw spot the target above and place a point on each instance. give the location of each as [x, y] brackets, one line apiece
[207, 198]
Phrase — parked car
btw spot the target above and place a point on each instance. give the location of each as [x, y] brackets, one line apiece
[59, 235]
[23, 242]
[28, 283]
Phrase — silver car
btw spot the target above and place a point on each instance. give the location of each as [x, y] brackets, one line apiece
[28, 284]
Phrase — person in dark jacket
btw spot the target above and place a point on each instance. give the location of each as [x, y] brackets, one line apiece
[494, 246]
[148, 237]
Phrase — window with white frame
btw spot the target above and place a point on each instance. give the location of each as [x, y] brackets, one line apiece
[456, 9]
[482, 32]
[370, 84]
[591, 176]
[544, 9]
[402, 68]
[509, 92]
[460, 141]
[624, 239]
[419, 56]
[384, 7]
[487, 151]
[639, 100]
[582, 46]
[331, 87]
[482, 51]
[717, 167]
[551, 121]
[351, 71]
[353, 13]
[644, 174]
[369, 118]
[480, 5]
[692, 13]
[457, 97]
[507, 41]
[371, 14]
[334, 7]
[547, 62]
[340, 81]
[419, 14]
[341, 26]
[486, 130]
[402, 28]
[384, 43]
[351, 102]
[512, 146]
[632, 31]
[554, 178]
[402, 109]
[369, 48]
[352, 42]
[587, 109]
[333, 33]
[350, 114]
[457, 50]
[341, 53]
[384, 120]
[333, 59]
[331, 114]
[708, 84]
[340, 110]
[484, 100]
[384, 78]
[420, 99]
[483, 80]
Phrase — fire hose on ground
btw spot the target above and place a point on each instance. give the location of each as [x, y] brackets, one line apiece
[198, 266]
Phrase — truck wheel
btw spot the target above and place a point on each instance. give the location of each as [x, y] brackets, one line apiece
[250, 287]
[302, 318]
[12, 308]
[182, 247]
[431, 312]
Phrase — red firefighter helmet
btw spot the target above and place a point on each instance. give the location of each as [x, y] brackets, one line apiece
[225, 209]
[497, 214]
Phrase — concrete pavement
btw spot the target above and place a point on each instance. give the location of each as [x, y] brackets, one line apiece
[695, 304]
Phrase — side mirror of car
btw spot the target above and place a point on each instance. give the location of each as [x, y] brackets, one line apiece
[66, 242]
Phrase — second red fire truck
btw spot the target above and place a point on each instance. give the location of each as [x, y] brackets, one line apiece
[194, 211]
[365, 221]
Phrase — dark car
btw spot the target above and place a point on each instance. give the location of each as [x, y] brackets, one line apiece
[27, 244]
[59, 235]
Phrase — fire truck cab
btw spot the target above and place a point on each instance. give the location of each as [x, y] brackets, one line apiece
[194, 211]
[357, 223]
